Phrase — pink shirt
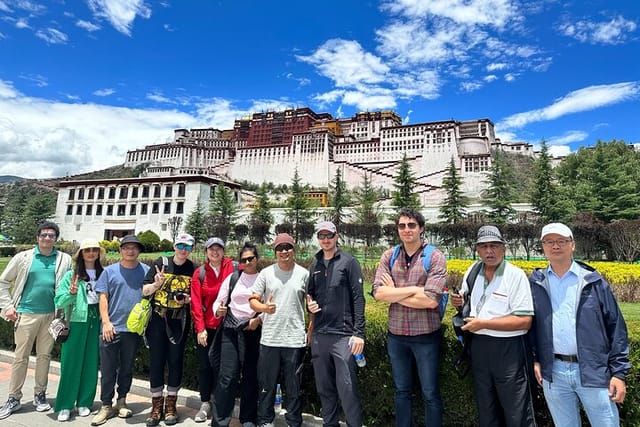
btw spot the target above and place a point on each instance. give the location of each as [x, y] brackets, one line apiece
[239, 303]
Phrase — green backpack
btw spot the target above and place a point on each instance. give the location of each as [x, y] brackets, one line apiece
[139, 317]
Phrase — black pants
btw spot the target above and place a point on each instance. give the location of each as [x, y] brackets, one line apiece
[500, 381]
[206, 375]
[238, 356]
[163, 353]
[116, 365]
[270, 361]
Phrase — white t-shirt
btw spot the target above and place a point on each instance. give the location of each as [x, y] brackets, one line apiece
[286, 327]
[509, 293]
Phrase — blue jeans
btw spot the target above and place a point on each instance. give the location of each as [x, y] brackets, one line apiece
[425, 350]
[562, 399]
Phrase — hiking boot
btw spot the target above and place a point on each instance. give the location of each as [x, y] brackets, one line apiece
[170, 411]
[157, 406]
[105, 412]
[11, 406]
[64, 415]
[83, 411]
[123, 410]
[203, 413]
[40, 402]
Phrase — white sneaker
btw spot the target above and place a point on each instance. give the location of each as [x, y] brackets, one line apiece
[64, 415]
[83, 411]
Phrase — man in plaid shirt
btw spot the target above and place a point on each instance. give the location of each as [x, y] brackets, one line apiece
[414, 320]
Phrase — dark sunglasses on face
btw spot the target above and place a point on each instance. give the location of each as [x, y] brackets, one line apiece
[182, 246]
[283, 248]
[247, 259]
[49, 235]
[326, 236]
[411, 225]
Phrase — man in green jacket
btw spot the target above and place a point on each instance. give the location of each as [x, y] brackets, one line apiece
[27, 288]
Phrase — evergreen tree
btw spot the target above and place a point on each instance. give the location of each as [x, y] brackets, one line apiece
[453, 207]
[196, 223]
[223, 212]
[545, 193]
[339, 198]
[299, 212]
[25, 208]
[367, 213]
[261, 219]
[405, 184]
[501, 190]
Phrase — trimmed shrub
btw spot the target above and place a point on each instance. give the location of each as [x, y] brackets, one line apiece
[7, 251]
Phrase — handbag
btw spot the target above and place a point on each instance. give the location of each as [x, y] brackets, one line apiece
[59, 327]
[139, 316]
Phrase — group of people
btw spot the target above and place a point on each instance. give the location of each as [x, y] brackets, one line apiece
[252, 327]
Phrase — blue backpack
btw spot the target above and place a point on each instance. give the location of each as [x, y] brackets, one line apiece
[427, 251]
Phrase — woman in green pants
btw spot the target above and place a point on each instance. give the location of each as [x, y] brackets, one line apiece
[79, 358]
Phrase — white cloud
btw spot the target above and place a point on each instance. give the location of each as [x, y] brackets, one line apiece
[4, 7]
[470, 86]
[120, 13]
[22, 23]
[86, 25]
[168, 28]
[568, 137]
[36, 79]
[2, 36]
[585, 99]
[490, 78]
[7, 90]
[104, 92]
[611, 32]
[510, 77]
[158, 97]
[559, 150]
[29, 6]
[52, 36]
[495, 66]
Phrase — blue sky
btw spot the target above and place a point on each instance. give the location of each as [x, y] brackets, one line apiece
[83, 81]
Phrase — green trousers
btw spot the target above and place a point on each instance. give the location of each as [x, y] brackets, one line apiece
[79, 363]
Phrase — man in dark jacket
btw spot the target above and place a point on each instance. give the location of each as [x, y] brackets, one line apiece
[579, 337]
[336, 299]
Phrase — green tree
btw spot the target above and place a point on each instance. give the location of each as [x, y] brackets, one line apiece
[150, 241]
[25, 208]
[261, 219]
[545, 193]
[223, 212]
[339, 199]
[196, 224]
[501, 190]
[405, 183]
[367, 213]
[453, 210]
[298, 213]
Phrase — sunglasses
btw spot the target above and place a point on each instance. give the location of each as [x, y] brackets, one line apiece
[410, 225]
[183, 246]
[47, 235]
[326, 236]
[283, 248]
[247, 259]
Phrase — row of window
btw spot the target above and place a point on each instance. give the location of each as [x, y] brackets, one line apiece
[121, 210]
[123, 192]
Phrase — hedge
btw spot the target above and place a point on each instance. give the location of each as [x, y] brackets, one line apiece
[375, 381]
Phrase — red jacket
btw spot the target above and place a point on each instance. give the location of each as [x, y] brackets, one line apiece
[203, 295]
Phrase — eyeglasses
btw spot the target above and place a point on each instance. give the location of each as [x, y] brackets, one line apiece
[47, 235]
[411, 225]
[559, 242]
[326, 236]
[183, 246]
[284, 248]
[248, 259]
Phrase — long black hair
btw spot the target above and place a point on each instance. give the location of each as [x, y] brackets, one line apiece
[81, 269]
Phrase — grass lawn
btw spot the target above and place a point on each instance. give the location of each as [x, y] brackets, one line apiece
[630, 311]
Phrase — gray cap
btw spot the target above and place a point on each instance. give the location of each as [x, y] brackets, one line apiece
[131, 238]
[214, 241]
[326, 226]
[489, 233]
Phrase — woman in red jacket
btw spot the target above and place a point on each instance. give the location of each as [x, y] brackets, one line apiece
[204, 291]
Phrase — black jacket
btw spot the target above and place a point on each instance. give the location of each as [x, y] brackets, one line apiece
[338, 291]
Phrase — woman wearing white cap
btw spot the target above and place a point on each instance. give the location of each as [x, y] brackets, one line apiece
[79, 358]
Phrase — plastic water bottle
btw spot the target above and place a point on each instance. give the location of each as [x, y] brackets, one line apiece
[360, 360]
[277, 404]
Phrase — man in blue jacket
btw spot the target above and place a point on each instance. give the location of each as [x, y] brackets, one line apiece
[579, 337]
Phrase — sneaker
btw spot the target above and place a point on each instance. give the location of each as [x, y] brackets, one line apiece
[11, 406]
[123, 410]
[105, 412]
[64, 415]
[40, 402]
[203, 413]
[83, 411]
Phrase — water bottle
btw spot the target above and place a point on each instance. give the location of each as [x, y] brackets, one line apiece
[277, 404]
[360, 360]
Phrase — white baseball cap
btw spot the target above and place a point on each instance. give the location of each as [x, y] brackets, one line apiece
[556, 228]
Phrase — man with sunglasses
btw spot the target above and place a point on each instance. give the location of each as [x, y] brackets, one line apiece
[337, 302]
[414, 334]
[168, 283]
[27, 288]
[580, 343]
[279, 291]
[499, 311]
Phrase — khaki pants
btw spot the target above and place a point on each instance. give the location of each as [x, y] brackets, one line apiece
[31, 328]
